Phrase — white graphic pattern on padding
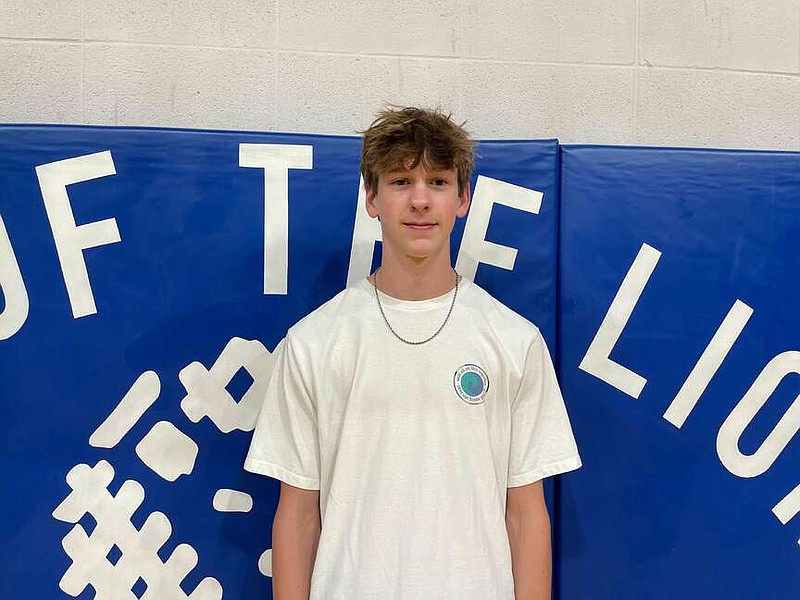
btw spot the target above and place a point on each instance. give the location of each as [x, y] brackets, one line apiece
[137, 548]
[206, 388]
[168, 451]
[115, 558]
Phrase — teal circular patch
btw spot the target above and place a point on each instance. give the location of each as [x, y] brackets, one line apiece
[471, 383]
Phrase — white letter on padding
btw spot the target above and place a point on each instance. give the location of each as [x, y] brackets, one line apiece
[751, 465]
[789, 507]
[276, 160]
[596, 361]
[708, 364]
[13, 287]
[474, 247]
[72, 239]
[366, 232]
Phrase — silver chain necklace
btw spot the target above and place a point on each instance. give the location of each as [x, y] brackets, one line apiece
[397, 335]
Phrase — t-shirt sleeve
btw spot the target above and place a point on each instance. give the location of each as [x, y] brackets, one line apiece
[285, 444]
[542, 442]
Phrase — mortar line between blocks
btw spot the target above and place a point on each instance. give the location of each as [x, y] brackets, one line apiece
[636, 56]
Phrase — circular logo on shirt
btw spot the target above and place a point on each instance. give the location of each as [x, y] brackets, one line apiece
[471, 383]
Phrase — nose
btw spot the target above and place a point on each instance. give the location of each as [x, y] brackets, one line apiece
[420, 197]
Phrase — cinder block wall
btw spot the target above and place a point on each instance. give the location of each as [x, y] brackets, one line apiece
[715, 73]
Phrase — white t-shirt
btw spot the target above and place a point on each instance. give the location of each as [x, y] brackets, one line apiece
[412, 447]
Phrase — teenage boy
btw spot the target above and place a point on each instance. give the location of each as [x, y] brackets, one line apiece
[412, 418]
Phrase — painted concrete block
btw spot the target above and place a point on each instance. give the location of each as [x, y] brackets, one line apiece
[550, 31]
[432, 83]
[415, 27]
[572, 103]
[227, 23]
[331, 93]
[179, 87]
[718, 109]
[733, 34]
[40, 82]
[44, 19]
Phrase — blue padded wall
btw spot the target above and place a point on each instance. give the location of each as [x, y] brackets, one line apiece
[699, 237]
[694, 239]
[142, 404]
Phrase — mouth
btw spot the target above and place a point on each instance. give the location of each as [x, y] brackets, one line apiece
[420, 226]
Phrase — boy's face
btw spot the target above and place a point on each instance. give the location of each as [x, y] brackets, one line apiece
[417, 210]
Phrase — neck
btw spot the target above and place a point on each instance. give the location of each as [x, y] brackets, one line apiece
[411, 280]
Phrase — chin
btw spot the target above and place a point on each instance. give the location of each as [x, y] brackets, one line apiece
[421, 252]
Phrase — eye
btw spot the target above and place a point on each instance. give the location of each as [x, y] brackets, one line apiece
[439, 181]
[399, 181]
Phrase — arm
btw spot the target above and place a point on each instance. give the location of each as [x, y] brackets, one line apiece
[528, 526]
[295, 535]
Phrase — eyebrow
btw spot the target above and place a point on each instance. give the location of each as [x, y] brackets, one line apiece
[434, 172]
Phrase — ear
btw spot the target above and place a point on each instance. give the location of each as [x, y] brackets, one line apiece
[372, 208]
[463, 202]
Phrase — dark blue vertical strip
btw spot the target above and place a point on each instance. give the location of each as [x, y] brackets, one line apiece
[556, 517]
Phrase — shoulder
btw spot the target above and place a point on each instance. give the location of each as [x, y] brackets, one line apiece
[323, 321]
[500, 317]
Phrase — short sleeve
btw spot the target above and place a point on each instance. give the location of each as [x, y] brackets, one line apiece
[285, 444]
[542, 442]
